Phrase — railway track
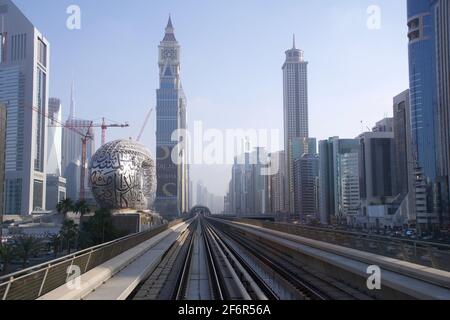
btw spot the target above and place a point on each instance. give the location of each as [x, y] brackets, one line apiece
[312, 285]
[213, 262]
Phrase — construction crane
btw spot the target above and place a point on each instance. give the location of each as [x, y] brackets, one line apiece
[145, 124]
[84, 141]
[86, 136]
[104, 126]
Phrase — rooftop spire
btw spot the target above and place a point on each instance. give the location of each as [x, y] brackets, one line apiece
[170, 36]
[293, 42]
[169, 23]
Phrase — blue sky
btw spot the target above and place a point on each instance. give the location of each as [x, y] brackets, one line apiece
[232, 53]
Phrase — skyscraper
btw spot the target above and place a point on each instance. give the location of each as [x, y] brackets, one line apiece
[429, 58]
[56, 184]
[295, 85]
[72, 149]
[404, 167]
[54, 140]
[442, 18]
[259, 183]
[422, 72]
[376, 164]
[326, 181]
[2, 157]
[171, 164]
[306, 172]
[24, 68]
[249, 189]
[278, 184]
[339, 186]
[347, 186]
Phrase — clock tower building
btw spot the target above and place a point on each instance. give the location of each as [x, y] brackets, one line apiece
[171, 164]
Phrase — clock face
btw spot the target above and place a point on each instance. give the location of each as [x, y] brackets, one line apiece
[169, 54]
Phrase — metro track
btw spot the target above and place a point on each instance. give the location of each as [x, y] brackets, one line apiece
[209, 262]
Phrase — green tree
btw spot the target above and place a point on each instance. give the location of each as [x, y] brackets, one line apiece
[27, 247]
[7, 254]
[55, 241]
[69, 233]
[81, 208]
[99, 229]
[65, 206]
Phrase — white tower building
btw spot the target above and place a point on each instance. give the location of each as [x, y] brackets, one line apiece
[295, 84]
[24, 70]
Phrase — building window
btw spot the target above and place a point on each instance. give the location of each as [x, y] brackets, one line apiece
[38, 192]
[3, 37]
[18, 47]
[13, 196]
[41, 97]
[42, 52]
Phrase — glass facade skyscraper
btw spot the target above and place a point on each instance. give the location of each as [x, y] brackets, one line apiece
[422, 72]
[172, 176]
[339, 186]
[24, 69]
[442, 18]
[429, 58]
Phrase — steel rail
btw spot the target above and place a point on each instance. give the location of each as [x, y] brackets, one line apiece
[236, 280]
[264, 292]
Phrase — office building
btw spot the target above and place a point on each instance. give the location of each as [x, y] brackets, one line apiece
[54, 141]
[306, 173]
[441, 10]
[403, 184]
[2, 155]
[56, 191]
[377, 174]
[249, 190]
[172, 190]
[429, 57]
[278, 184]
[339, 185]
[422, 69]
[295, 86]
[71, 155]
[24, 78]
[385, 125]
[326, 180]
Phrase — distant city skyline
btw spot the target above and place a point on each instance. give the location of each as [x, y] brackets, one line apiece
[234, 45]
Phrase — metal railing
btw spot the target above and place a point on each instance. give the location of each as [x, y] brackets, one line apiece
[419, 252]
[34, 282]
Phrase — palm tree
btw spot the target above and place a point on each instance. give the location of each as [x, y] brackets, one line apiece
[7, 255]
[100, 228]
[55, 243]
[69, 232]
[82, 208]
[27, 247]
[65, 206]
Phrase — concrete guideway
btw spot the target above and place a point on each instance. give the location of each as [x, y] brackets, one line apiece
[401, 279]
[198, 287]
[118, 277]
[206, 258]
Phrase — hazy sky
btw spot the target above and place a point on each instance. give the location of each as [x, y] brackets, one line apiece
[232, 54]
